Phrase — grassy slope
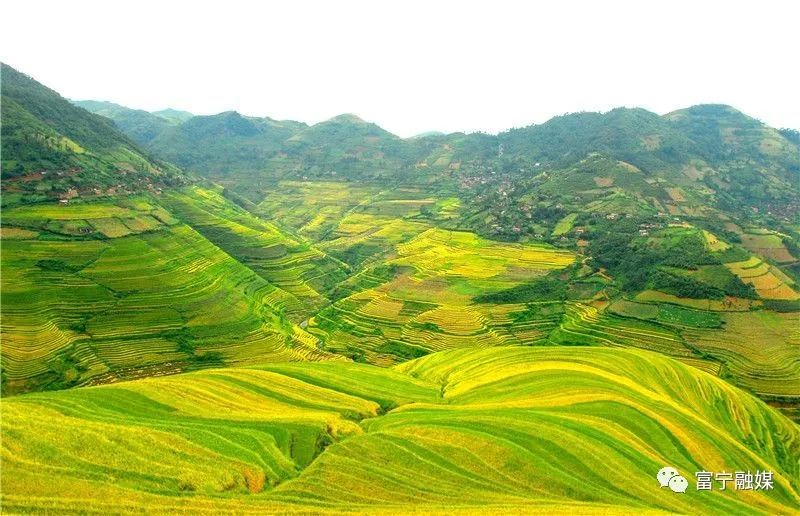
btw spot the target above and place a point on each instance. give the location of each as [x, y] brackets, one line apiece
[503, 429]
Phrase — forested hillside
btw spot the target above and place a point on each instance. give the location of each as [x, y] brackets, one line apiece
[52, 149]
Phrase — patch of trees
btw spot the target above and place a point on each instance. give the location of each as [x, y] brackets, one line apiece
[689, 252]
[793, 135]
[737, 288]
[791, 246]
[636, 263]
[682, 286]
[782, 305]
[544, 289]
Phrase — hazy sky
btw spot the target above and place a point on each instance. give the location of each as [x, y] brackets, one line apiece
[413, 66]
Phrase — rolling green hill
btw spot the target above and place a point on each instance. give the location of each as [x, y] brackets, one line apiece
[349, 147]
[500, 430]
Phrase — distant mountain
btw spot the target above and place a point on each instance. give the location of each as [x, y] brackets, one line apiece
[721, 157]
[351, 147]
[231, 143]
[714, 150]
[428, 134]
[219, 144]
[142, 126]
[51, 147]
[174, 115]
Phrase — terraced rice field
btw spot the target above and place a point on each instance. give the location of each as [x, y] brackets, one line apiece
[363, 238]
[495, 430]
[90, 308]
[761, 351]
[757, 350]
[302, 273]
[769, 281]
[313, 208]
[586, 325]
[483, 263]
[426, 303]
[768, 245]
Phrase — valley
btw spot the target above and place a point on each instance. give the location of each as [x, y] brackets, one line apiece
[224, 313]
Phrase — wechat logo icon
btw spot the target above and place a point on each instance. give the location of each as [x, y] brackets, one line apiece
[669, 477]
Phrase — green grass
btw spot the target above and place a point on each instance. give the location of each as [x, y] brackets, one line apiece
[565, 225]
[500, 430]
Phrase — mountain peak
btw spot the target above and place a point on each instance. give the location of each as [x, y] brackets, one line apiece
[174, 115]
[719, 111]
[349, 118]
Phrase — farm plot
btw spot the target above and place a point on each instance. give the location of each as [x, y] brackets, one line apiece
[769, 281]
[426, 305]
[761, 351]
[494, 430]
[301, 272]
[313, 208]
[362, 238]
[667, 314]
[565, 225]
[482, 263]
[160, 301]
[586, 325]
[768, 245]
[728, 304]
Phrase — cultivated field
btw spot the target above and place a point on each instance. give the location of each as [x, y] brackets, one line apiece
[301, 272]
[769, 281]
[496, 430]
[80, 305]
[422, 300]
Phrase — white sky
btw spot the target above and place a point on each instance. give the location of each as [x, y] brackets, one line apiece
[413, 66]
